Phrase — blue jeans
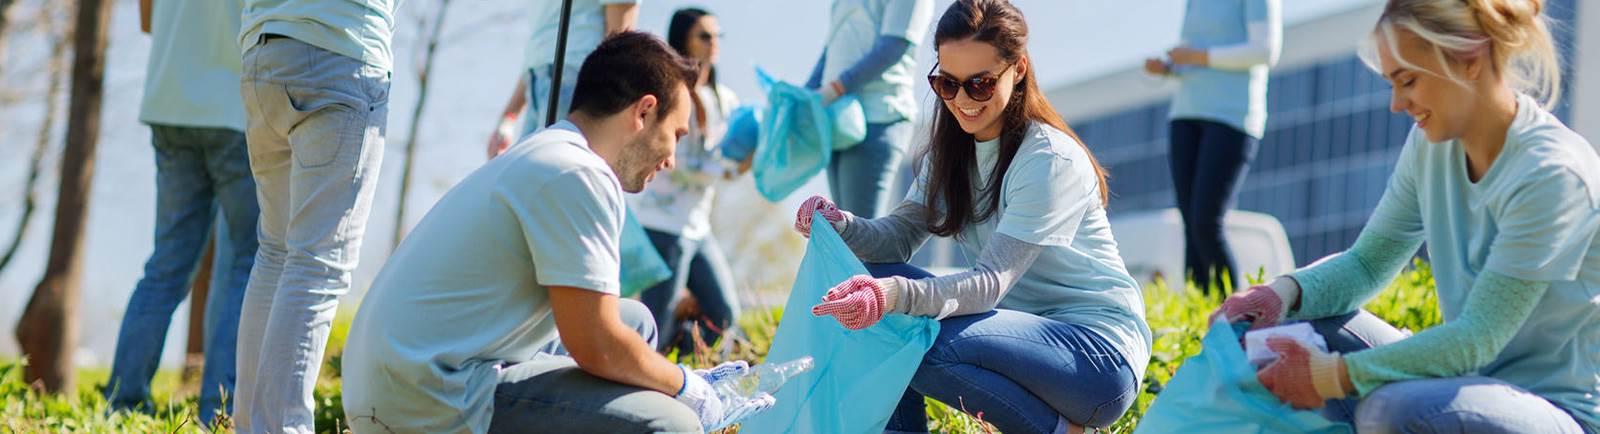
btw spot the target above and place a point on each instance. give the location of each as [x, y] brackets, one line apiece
[199, 172]
[1023, 372]
[700, 265]
[539, 80]
[1208, 162]
[859, 178]
[315, 123]
[551, 394]
[1435, 405]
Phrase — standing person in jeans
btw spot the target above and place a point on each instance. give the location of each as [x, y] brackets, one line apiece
[459, 332]
[868, 54]
[1046, 333]
[202, 168]
[675, 209]
[591, 21]
[1506, 198]
[1217, 119]
[316, 99]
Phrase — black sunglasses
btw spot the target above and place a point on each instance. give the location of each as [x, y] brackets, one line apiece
[708, 36]
[980, 89]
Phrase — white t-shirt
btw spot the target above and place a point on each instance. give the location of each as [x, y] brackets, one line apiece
[468, 288]
[192, 78]
[1050, 197]
[586, 27]
[678, 202]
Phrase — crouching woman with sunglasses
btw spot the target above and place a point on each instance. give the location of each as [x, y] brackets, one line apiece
[1047, 332]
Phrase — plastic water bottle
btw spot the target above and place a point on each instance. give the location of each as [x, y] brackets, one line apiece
[763, 378]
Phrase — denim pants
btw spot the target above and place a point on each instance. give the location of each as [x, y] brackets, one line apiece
[1023, 372]
[316, 122]
[539, 81]
[859, 178]
[551, 394]
[1436, 405]
[700, 265]
[199, 173]
[1208, 161]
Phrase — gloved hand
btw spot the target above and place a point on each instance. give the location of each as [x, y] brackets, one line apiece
[858, 303]
[1262, 305]
[831, 212]
[1302, 376]
[715, 414]
[723, 371]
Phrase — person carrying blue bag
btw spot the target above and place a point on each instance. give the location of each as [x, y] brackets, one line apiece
[675, 209]
[1047, 332]
[1506, 198]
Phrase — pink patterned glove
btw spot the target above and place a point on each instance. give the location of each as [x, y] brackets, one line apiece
[1303, 377]
[1260, 305]
[802, 218]
[857, 303]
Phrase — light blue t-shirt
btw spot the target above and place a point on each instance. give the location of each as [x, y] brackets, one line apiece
[1533, 216]
[585, 29]
[192, 79]
[468, 288]
[359, 29]
[1050, 196]
[1234, 98]
[853, 27]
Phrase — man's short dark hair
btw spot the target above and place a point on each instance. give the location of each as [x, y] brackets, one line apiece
[627, 66]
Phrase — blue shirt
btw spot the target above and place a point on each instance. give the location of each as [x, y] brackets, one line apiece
[1050, 197]
[1533, 216]
[358, 29]
[1234, 98]
[192, 78]
[468, 289]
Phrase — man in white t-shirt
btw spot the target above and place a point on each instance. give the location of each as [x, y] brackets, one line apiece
[519, 262]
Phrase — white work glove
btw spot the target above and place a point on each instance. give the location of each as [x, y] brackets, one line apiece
[715, 414]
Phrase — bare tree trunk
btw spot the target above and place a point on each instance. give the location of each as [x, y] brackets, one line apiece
[52, 105]
[194, 355]
[416, 120]
[48, 331]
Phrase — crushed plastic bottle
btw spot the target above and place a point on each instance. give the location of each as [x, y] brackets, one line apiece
[761, 379]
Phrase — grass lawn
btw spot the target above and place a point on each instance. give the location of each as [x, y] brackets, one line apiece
[1177, 319]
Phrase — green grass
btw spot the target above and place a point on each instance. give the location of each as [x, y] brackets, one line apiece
[1177, 318]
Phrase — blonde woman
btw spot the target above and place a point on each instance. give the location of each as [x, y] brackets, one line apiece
[1507, 200]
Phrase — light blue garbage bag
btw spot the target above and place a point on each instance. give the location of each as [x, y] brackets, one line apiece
[860, 375]
[796, 140]
[744, 129]
[642, 265]
[1217, 392]
[849, 122]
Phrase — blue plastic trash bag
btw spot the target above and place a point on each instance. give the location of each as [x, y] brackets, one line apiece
[642, 266]
[849, 122]
[744, 129]
[1217, 392]
[796, 140]
[860, 375]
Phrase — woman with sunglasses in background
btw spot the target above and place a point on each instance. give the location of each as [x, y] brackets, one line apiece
[1047, 332]
[675, 209]
[1217, 118]
[868, 55]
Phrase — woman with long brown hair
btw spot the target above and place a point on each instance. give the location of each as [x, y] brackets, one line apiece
[1047, 332]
